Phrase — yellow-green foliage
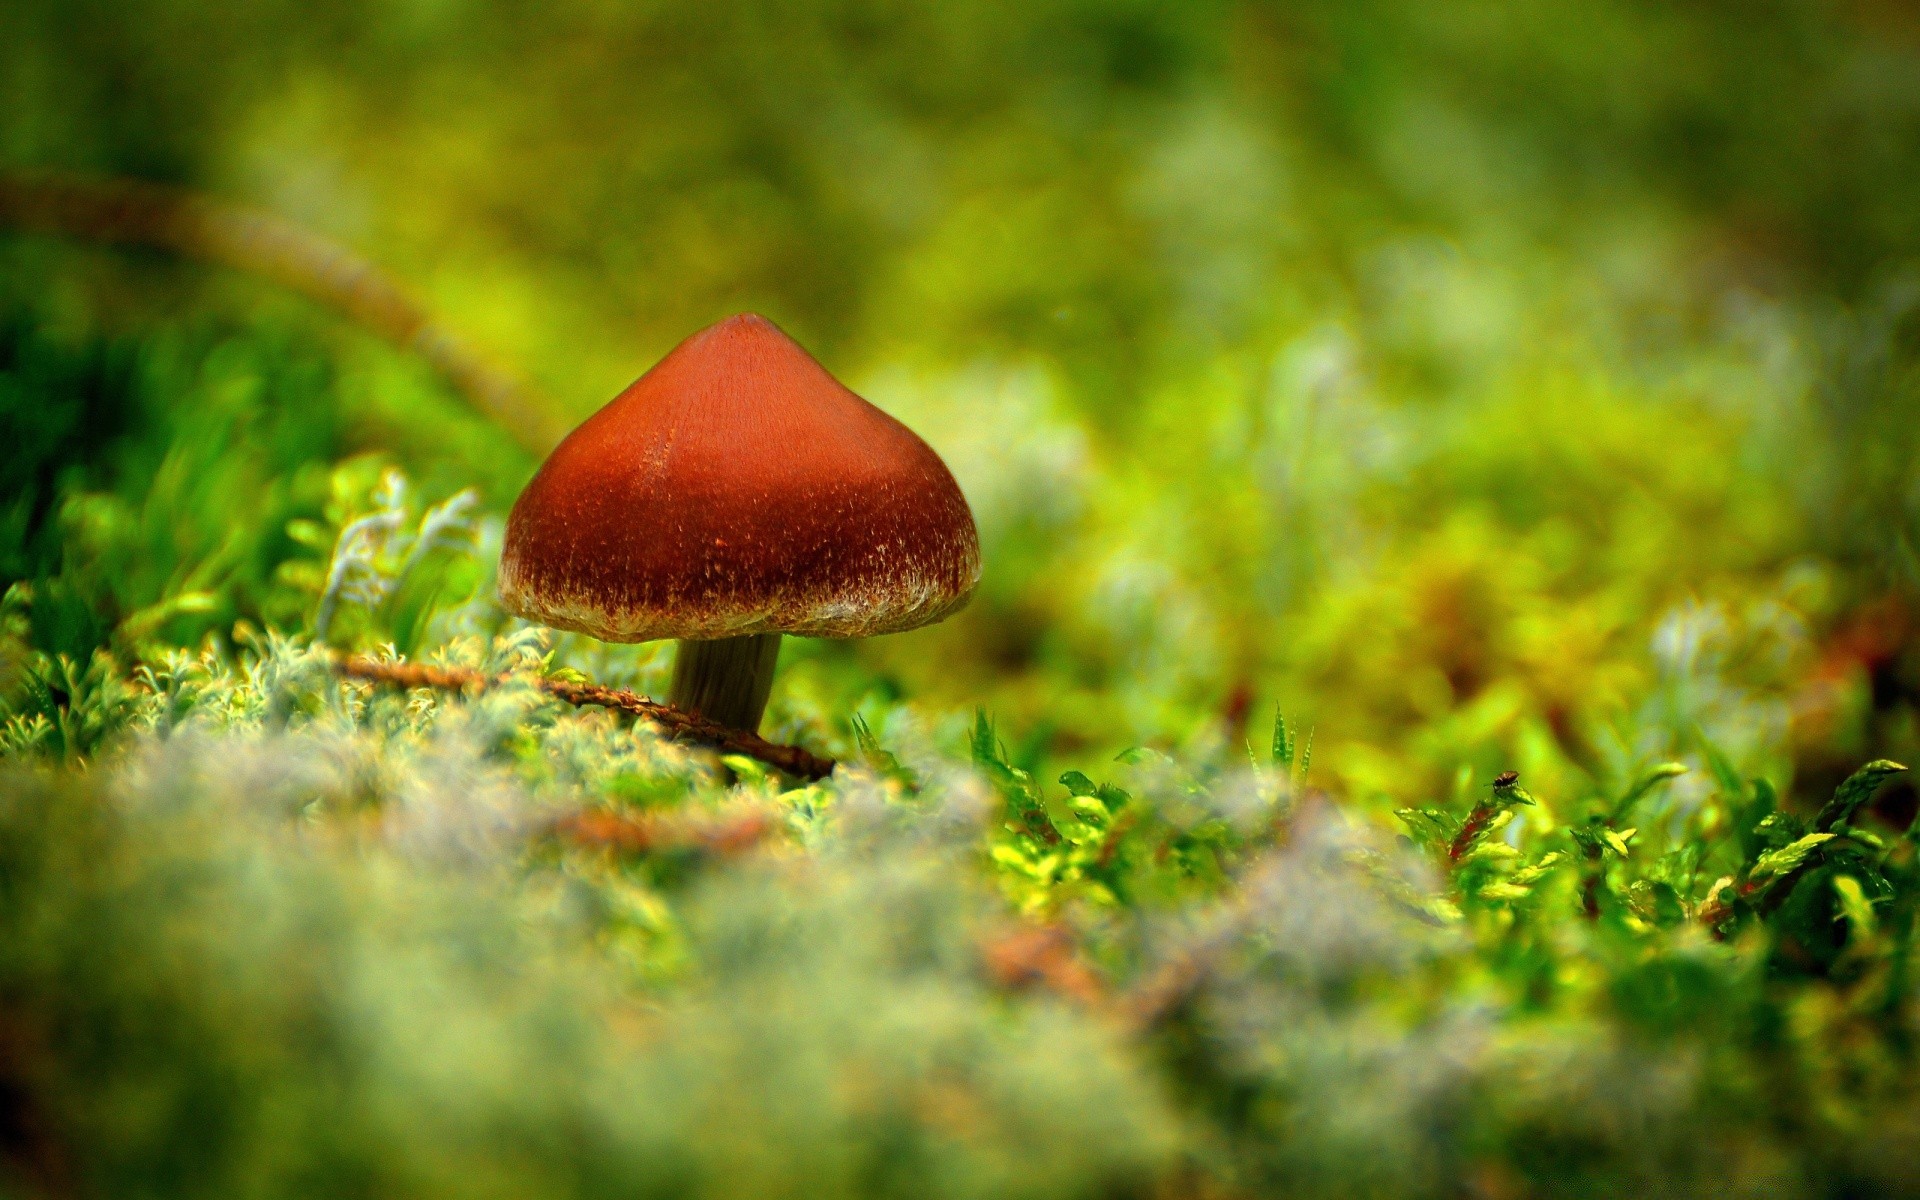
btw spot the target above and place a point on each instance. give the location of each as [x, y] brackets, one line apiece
[290, 932]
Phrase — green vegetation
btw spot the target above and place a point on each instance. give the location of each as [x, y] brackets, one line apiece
[1508, 387]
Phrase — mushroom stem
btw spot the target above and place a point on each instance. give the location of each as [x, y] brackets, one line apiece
[727, 679]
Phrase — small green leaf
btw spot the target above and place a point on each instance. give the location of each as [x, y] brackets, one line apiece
[1529, 875]
[1078, 784]
[1488, 851]
[1856, 791]
[748, 770]
[984, 745]
[1870, 840]
[1504, 891]
[1788, 858]
[1282, 741]
[1430, 826]
[1618, 841]
[1090, 809]
[1855, 905]
[1008, 856]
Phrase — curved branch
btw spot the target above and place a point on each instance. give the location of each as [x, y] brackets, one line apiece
[673, 722]
[132, 212]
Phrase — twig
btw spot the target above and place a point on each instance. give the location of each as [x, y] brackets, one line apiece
[639, 833]
[132, 212]
[1506, 793]
[1041, 956]
[1470, 831]
[675, 723]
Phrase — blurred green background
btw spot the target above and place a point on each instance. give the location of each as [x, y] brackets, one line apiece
[1520, 383]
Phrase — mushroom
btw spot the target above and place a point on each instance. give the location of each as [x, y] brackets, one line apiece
[733, 493]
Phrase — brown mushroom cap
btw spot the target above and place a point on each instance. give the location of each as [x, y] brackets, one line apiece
[737, 488]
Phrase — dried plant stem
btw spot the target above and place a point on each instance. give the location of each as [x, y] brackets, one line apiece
[131, 212]
[675, 724]
[1470, 831]
[1045, 956]
[642, 833]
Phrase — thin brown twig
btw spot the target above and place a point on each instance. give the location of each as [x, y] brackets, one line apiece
[134, 212]
[1026, 956]
[675, 723]
[1470, 831]
[640, 833]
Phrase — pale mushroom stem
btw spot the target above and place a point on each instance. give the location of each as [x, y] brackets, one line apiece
[726, 680]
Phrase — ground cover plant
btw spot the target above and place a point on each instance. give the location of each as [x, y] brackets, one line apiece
[1521, 401]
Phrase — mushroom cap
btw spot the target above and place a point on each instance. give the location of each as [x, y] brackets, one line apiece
[738, 488]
